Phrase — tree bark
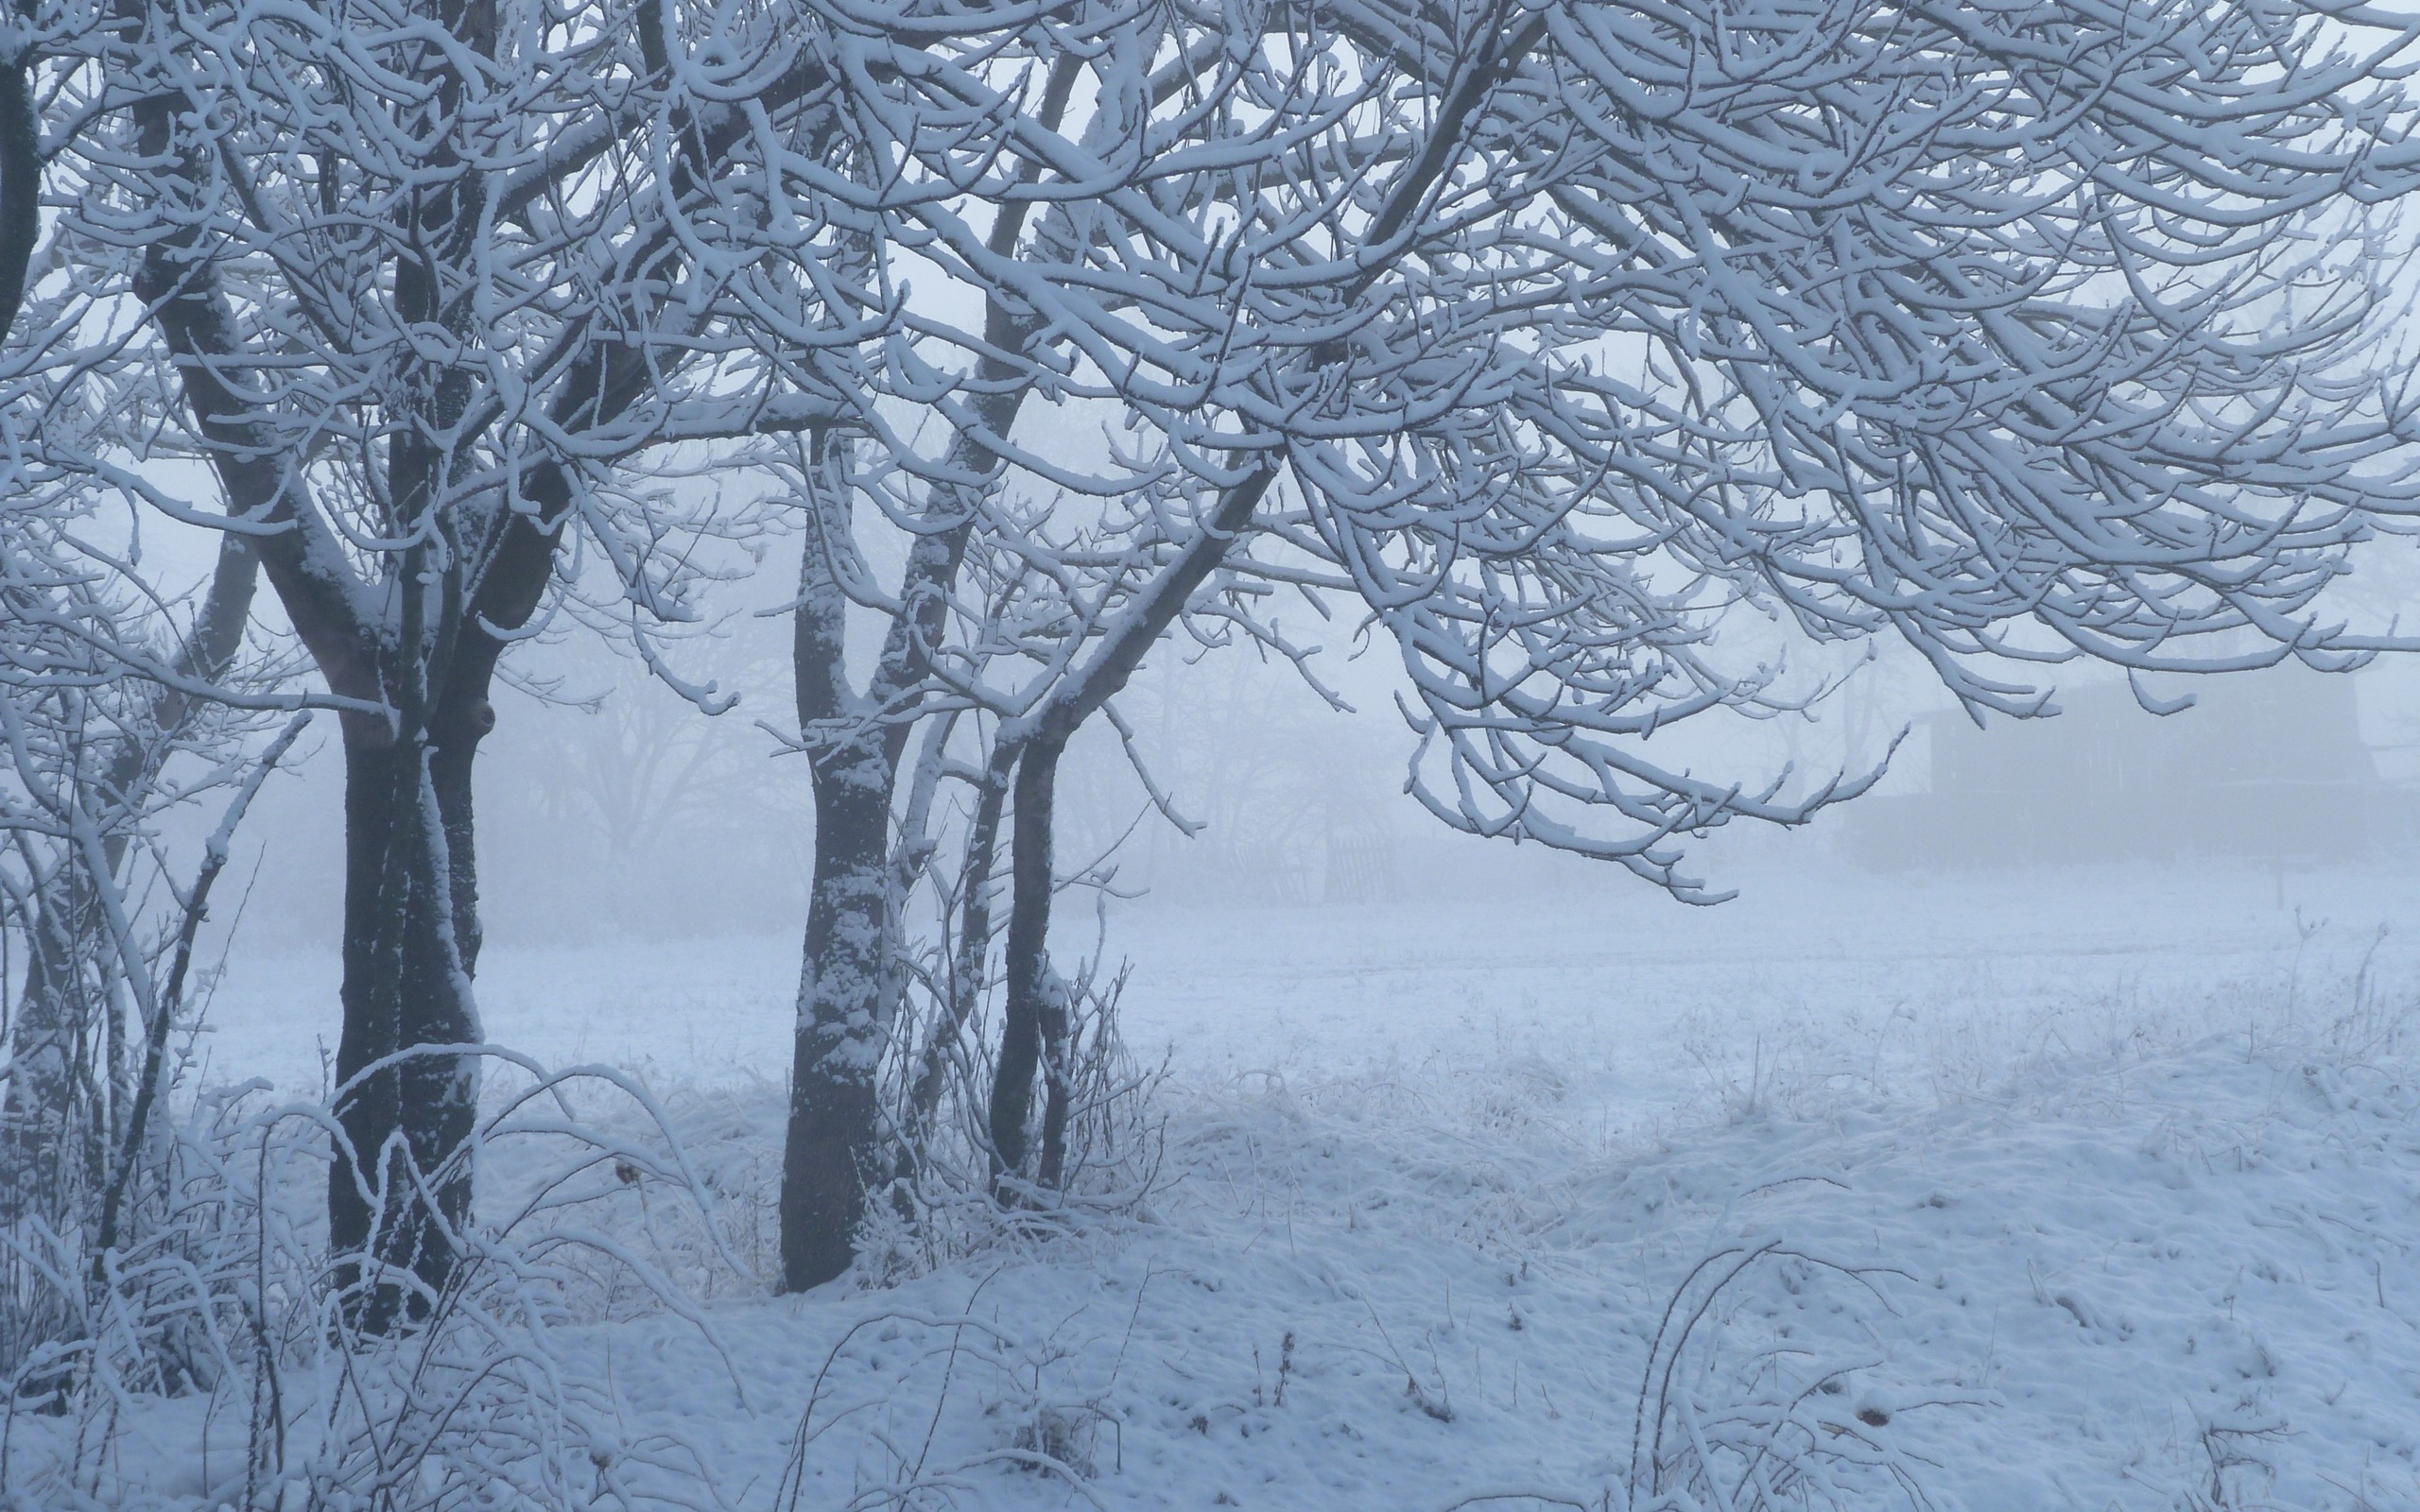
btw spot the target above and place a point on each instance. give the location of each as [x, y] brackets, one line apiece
[848, 991]
[1058, 1078]
[1032, 987]
[399, 1189]
[19, 185]
[849, 979]
[1037, 1003]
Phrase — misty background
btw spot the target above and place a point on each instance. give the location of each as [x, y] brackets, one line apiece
[612, 810]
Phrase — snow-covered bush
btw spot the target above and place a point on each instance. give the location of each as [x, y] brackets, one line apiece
[946, 1201]
[87, 1187]
[1047, 1399]
[1759, 1424]
[231, 1322]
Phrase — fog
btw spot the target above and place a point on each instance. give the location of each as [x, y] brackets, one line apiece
[1322, 759]
[611, 808]
[2063, 1020]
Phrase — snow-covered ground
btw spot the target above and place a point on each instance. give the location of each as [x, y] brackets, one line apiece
[2078, 1190]
[1960, 967]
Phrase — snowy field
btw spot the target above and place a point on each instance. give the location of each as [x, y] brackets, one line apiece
[2082, 1189]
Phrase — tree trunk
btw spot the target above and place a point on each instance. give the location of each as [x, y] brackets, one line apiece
[846, 1002]
[1058, 1082]
[847, 991]
[1037, 1005]
[47, 1115]
[1032, 987]
[19, 185]
[400, 1189]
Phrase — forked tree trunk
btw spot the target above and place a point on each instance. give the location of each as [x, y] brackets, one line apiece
[851, 978]
[399, 1189]
[847, 997]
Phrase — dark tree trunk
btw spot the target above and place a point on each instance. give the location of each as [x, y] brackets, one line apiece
[847, 991]
[49, 1111]
[1032, 987]
[20, 184]
[449, 775]
[842, 979]
[401, 1192]
[1035, 1026]
[1058, 1082]
[845, 1010]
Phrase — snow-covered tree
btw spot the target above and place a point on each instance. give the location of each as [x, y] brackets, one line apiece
[1550, 342]
[421, 275]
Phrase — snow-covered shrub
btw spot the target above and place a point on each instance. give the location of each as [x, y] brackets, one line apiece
[97, 957]
[229, 1327]
[1050, 1397]
[164, 1314]
[1727, 1419]
[730, 1137]
[943, 1203]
